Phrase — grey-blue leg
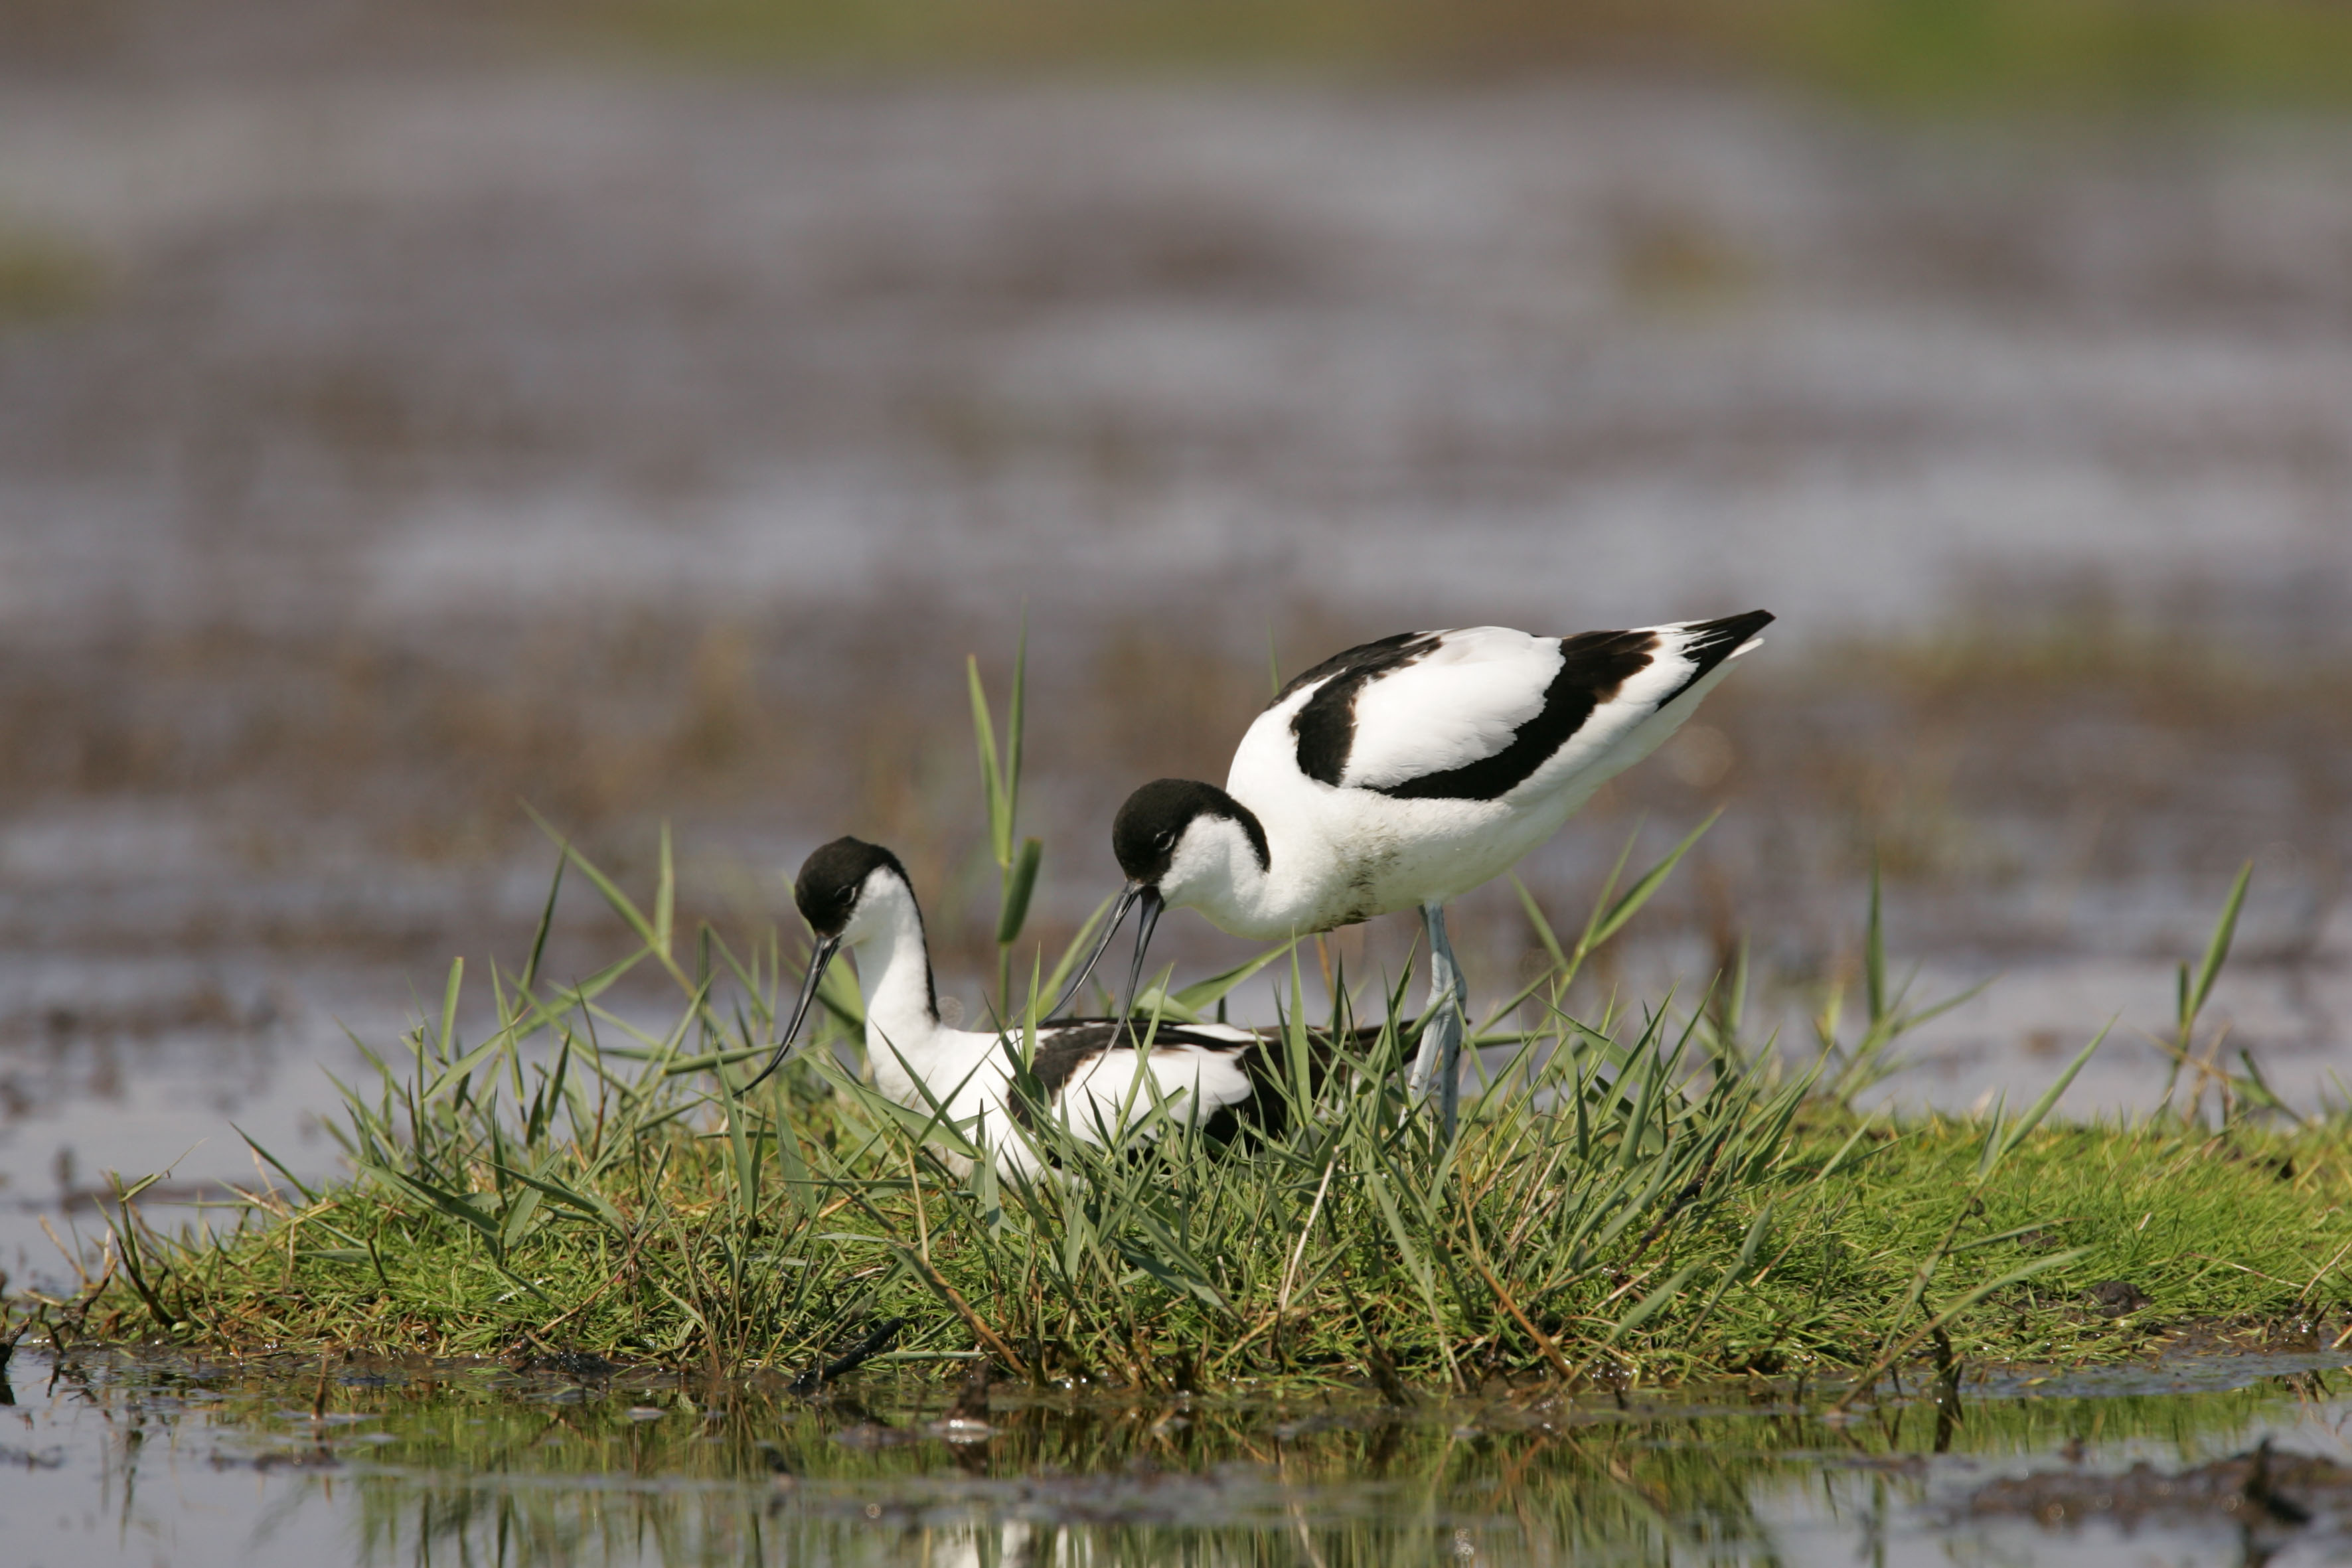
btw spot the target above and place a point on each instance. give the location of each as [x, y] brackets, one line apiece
[1441, 1026]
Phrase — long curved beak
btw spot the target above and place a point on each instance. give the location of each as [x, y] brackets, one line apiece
[1150, 899]
[818, 960]
[1127, 901]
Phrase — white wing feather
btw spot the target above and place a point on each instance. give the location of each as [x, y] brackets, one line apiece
[1457, 704]
[1195, 1083]
[1600, 746]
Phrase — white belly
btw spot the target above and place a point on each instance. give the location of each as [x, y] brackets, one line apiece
[1406, 853]
[1364, 854]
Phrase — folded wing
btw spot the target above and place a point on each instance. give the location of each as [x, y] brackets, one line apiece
[1475, 713]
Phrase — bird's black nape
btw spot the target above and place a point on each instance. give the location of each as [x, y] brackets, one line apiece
[832, 878]
[1148, 828]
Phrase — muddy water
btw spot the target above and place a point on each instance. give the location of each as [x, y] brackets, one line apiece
[400, 349]
[116, 1458]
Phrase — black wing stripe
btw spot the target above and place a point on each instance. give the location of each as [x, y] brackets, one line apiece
[1714, 641]
[1378, 652]
[1325, 723]
[1593, 667]
[1069, 1047]
[1267, 1112]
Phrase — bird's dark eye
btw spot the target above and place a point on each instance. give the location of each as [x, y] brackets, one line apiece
[1163, 841]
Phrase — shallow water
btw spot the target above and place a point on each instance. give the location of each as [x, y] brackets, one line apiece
[118, 1457]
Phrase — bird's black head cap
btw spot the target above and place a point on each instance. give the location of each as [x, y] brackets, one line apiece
[1148, 828]
[832, 878]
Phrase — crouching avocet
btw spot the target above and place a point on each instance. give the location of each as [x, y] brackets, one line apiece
[855, 894]
[1405, 773]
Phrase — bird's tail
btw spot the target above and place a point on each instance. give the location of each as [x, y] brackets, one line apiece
[1707, 644]
[1732, 636]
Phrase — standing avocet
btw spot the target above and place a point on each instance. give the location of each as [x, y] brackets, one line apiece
[855, 894]
[1404, 773]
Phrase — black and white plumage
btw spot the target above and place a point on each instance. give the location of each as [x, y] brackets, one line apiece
[857, 895]
[1406, 772]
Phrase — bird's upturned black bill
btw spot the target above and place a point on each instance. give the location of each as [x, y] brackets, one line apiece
[818, 959]
[1127, 898]
[1144, 923]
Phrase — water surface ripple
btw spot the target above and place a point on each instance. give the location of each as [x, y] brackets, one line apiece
[123, 1458]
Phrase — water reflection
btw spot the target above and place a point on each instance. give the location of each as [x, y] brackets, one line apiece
[118, 1457]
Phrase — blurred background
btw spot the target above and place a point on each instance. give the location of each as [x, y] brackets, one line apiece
[640, 409]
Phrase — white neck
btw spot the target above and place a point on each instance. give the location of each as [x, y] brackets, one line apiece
[1216, 871]
[893, 970]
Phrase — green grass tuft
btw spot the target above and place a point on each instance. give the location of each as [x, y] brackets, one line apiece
[1640, 1207]
[1639, 1197]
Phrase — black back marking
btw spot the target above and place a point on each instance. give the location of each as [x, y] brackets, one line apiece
[1072, 1045]
[1267, 1112]
[1593, 667]
[1712, 642]
[1325, 724]
[1065, 1050]
[830, 879]
[1149, 826]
